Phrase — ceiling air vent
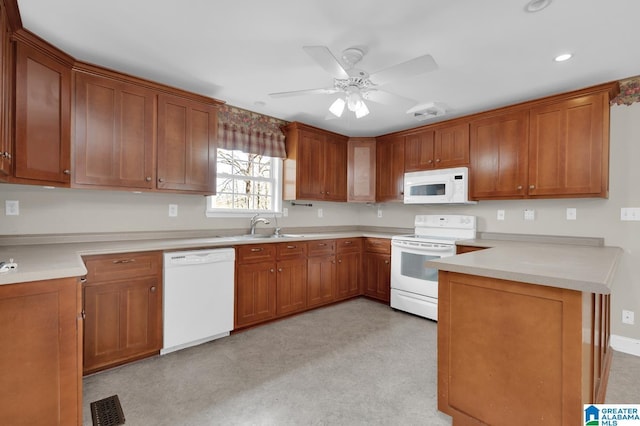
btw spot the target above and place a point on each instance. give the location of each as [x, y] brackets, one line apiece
[427, 111]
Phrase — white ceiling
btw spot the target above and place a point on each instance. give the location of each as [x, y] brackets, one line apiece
[490, 53]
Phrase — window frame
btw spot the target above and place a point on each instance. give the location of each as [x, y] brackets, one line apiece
[277, 166]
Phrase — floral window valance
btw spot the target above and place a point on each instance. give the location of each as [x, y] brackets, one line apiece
[250, 132]
[629, 92]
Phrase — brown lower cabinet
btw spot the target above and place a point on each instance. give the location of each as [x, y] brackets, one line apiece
[377, 268]
[41, 338]
[536, 359]
[278, 279]
[123, 309]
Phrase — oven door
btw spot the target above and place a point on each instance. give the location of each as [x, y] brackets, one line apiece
[408, 270]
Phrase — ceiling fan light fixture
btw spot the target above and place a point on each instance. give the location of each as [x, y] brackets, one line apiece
[362, 110]
[337, 107]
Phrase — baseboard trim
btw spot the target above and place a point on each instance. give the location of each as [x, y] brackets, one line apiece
[625, 344]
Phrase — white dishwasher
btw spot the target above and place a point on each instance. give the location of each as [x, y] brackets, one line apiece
[198, 297]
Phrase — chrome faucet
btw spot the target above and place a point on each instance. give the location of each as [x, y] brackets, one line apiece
[255, 220]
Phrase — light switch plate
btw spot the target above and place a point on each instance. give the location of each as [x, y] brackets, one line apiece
[285, 212]
[320, 214]
[11, 208]
[630, 213]
[500, 215]
[572, 214]
[173, 210]
[379, 211]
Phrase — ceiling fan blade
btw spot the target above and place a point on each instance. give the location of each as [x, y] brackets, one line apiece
[325, 91]
[419, 65]
[387, 98]
[323, 56]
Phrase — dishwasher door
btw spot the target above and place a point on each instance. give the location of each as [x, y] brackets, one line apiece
[198, 297]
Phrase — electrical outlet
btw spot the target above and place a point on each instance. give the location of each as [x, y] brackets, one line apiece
[628, 317]
[173, 210]
[500, 215]
[320, 213]
[529, 214]
[379, 211]
[12, 208]
[572, 213]
[285, 212]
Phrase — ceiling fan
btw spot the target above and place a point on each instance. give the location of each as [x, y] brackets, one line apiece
[356, 85]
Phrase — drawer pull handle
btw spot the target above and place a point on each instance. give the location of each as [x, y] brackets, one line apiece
[291, 247]
[83, 280]
[322, 244]
[348, 242]
[257, 249]
[122, 261]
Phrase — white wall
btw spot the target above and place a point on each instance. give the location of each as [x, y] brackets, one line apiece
[62, 211]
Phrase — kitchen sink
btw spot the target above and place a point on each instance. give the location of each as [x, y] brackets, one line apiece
[265, 236]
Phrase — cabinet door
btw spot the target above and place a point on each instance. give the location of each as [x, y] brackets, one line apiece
[43, 121]
[499, 156]
[451, 146]
[187, 135]
[41, 335]
[292, 286]
[6, 95]
[123, 322]
[321, 280]
[418, 151]
[348, 275]
[114, 133]
[310, 167]
[377, 269]
[569, 148]
[361, 170]
[335, 169]
[255, 293]
[390, 169]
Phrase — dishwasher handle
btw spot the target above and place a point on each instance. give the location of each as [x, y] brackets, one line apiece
[198, 257]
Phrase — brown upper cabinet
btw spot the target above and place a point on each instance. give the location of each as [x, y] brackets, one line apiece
[361, 170]
[437, 147]
[42, 113]
[187, 136]
[6, 98]
[390, 159]
[316, 164]
[551, 148]
[114, 133]
[134, 134]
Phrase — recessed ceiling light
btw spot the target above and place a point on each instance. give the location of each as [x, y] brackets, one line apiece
[536, 5]
[563, 57]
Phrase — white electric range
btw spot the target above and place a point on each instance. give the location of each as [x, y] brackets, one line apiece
[414, 286]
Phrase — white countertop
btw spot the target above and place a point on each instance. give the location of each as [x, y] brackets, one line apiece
[575, 267]
[37, 262]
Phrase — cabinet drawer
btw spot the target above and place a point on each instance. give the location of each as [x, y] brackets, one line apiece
[378, 245]
[349, 245]
[256, 253]
[322, 247]
[109, 267]
[291, 250]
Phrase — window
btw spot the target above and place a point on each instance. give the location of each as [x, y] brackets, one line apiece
[246, 184]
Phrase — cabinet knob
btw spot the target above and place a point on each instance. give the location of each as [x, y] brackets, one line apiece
[153, 289]
[271, 270]
[519, 187]
[279, 269]
[532, 187]
[66, 171]
[5, 155]
[430, 162]
[148, 178]
[386, 262]
[327, 193]
[339, 260]
[437, 160]
[160, 180]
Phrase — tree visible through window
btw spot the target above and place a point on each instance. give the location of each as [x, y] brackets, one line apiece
[246, 182]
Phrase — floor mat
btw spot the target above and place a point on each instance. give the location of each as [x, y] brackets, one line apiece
[107, 412]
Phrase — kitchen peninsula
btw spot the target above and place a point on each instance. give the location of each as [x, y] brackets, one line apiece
[523, 330]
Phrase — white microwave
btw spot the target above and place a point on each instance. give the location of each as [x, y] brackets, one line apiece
[441, 186]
